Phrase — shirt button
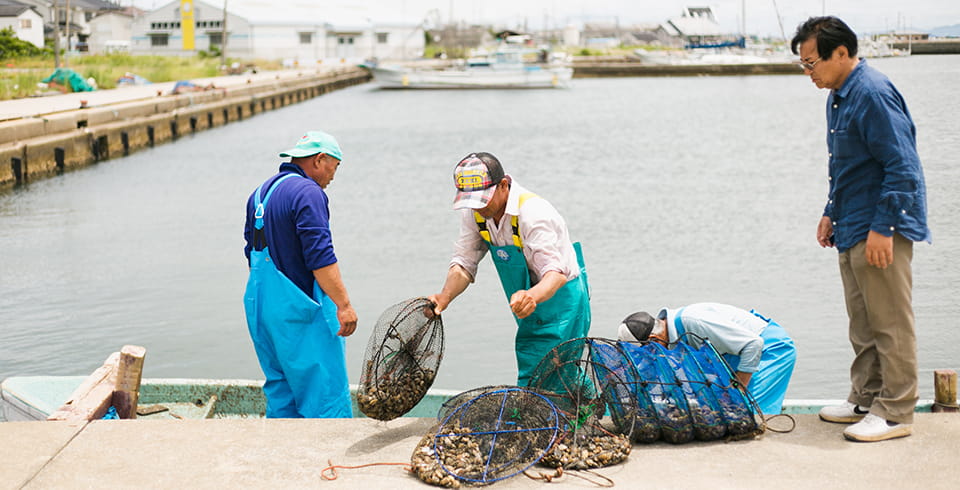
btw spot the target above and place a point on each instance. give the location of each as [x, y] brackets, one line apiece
[830, 201]
[829, 178]
[830, 155]
[891, 228]
[835, 106]
[903, 211]
[831, 131]
[834, 223]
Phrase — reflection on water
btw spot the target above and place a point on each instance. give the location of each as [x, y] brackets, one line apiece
[681, 190]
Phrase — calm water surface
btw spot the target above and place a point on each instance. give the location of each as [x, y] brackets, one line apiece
[680, 189]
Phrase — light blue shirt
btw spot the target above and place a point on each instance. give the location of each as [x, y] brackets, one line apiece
[730, 329]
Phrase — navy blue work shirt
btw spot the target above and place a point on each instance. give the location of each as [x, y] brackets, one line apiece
[296, 226]
[876, 181]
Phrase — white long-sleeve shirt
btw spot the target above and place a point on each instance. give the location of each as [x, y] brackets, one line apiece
[730, 329]
[546, 241]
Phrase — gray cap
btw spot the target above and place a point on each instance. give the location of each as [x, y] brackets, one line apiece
[638, 325]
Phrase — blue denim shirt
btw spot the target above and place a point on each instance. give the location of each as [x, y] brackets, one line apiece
[876, 181]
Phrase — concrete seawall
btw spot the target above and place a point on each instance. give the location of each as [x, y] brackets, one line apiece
[40, 144]
[636, 69]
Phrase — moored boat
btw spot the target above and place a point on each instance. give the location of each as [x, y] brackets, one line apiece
[24, 398]
[508, 67]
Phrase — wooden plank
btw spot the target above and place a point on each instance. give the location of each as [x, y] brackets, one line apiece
[126, 393]
[945, 391]
[93, 397]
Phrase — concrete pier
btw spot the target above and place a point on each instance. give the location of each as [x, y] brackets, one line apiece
[45, 136]
[259, 453]
[637, 69]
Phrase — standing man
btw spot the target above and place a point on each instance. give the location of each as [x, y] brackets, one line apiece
[758, 349]
[541, 271]
[876, 208]
[297, 307]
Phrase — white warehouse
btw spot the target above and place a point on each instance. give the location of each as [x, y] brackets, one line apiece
[300, 31]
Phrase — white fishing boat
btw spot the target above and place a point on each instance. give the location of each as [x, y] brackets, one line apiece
[507, 67]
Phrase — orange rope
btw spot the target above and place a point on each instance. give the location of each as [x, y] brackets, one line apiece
[548, 478]
[334, 474]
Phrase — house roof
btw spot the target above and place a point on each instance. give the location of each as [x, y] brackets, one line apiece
[11, 8]
[94, 5]
[309, 12]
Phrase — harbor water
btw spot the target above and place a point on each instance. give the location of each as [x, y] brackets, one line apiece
[681, 190]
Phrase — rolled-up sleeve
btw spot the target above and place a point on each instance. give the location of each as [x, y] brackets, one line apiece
[469, 248]
[891, 140]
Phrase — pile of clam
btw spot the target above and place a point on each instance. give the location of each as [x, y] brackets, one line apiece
[394, 394]
[582, 452]
[646, 427]
[675, 423]
[739, 418]
[444, 461]
[708, 424]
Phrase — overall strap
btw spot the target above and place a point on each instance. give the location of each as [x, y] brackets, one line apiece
[514, 223]
[259, 240]
[678, 324]
[758, 315]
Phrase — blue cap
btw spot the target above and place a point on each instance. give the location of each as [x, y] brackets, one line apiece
[314, 142]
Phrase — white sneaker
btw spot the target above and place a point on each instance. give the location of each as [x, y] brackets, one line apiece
[846, 413]
[873, 428]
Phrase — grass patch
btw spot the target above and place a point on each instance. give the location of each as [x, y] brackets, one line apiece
[19, 76]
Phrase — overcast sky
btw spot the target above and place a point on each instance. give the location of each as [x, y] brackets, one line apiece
[864, 16]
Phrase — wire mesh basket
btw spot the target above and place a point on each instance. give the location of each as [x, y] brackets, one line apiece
[401, 360]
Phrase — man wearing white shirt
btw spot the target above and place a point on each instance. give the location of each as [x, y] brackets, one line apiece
[541, 271]
[758, 349]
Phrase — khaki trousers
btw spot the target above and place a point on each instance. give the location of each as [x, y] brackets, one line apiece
[883, 375]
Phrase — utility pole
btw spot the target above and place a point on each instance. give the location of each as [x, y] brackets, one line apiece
[223, 37]
[56, 33]
[66, 54]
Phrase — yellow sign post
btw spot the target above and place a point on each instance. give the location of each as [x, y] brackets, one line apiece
[187, 24]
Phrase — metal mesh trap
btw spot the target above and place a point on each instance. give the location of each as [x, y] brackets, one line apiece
[401, 361]
[590, 381]
[486, 435]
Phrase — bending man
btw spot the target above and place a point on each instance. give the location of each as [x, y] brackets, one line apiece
[541, 271]
[758, 349]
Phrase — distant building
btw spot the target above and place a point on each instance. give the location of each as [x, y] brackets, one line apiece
[614, 34]
[73, 23]
[300, 32]
[460, 37]
[111, 32]
[906, 36]
[697, 26]
[24, 19]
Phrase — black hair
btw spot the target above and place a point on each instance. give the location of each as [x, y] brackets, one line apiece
[493, 165]
[489, 159]
[830, 33]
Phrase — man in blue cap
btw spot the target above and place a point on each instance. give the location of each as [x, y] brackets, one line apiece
[541, 271]
[297, 307]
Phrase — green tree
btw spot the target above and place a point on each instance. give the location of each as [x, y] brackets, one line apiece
[13, 47]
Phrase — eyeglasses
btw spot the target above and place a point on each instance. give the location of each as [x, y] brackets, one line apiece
[809, 66]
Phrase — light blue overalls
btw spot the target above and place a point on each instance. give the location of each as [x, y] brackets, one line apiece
[564, 316]
[768, 385]
[295, 336]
